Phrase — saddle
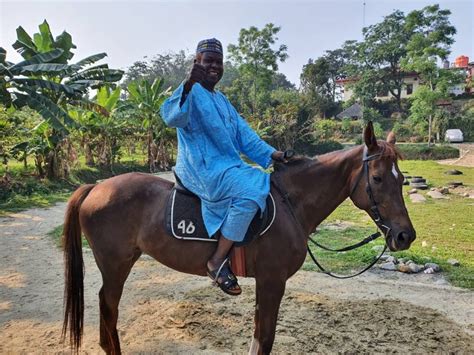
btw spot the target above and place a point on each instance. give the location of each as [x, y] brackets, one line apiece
[184, 219]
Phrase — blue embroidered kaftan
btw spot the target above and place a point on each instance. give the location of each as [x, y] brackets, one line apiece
[211, 136]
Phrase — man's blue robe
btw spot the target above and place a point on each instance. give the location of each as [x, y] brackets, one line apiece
[211, 136]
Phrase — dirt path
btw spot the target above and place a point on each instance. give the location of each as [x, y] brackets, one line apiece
[466, 156]
[165, 311]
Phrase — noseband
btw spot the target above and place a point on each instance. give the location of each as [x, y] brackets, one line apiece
[374, 212]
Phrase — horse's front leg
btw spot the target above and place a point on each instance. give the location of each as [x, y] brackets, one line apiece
[269, 293]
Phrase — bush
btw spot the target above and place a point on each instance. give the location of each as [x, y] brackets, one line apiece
[313, 148]
[423, 152]
[326, 129]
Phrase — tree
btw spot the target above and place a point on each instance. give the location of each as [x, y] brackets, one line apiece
[319, 81]
[257, 62]
[381, 51]
[147, 99]
[171, 67]
[430, 42]
[47, 83]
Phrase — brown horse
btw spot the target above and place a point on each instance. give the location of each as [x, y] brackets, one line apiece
[123, 217]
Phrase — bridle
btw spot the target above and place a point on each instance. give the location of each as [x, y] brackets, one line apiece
[374, 212]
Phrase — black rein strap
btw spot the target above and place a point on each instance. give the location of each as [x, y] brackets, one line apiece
[374, 210]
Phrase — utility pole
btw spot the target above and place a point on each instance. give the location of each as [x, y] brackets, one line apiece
[363, 15]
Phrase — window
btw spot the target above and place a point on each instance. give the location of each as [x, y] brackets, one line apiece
[409, 89]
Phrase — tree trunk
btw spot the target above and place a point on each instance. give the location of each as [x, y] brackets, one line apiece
[88, 151]
[430, 122]
[53, 169]
[39, 165]
[151, 159]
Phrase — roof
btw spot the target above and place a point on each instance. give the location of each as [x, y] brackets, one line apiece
[352, 111]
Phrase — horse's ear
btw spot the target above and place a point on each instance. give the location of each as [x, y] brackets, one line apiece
[369, 136]
[391, 138]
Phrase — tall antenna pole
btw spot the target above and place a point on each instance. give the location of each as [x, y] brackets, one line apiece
[363, 16]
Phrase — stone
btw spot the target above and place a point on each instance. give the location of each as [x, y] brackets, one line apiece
[437, 195]
[409, 262]
[455, 183]
[466, 194]
[424, 244]
[444, 190]
[415, 268]
[392, 259]
[419, 185]
[418, 179]
[384, 257]
[429, 271]
[402, 260]
[433, 266]
[454, 262]
[412, 191]
[453, 172]
[404, 268]
[388, 266]
[417, 198]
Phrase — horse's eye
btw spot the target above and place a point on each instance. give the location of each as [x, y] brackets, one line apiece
[377, 179]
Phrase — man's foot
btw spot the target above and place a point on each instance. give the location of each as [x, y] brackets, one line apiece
[224, 278]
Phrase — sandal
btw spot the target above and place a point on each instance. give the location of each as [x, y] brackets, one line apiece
[228, 282]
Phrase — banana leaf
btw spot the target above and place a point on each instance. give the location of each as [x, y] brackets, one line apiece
[45, 84]
[44, 40]
[40, 58]
[3, 55]
[91, 106]
[44, 68]
[24, 44]
[51, 112]
[64, 41]
[91, 59]
[105, 75]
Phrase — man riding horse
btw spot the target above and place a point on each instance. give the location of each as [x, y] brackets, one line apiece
[211, 138]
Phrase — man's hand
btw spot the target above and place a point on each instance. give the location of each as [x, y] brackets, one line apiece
[196, 75]
[279, 156]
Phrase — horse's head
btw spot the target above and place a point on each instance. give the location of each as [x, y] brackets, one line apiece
[377, 189]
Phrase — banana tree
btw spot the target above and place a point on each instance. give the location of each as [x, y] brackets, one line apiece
[147, 98]
[99, 128]
[48, 83]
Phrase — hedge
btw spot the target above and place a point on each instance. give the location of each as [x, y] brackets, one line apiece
[423, 152]
[317, 148]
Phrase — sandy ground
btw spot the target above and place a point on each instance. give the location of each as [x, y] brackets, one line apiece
[163, 311]
[466, 156]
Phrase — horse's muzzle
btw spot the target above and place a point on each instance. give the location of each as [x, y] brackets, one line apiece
[402, 240]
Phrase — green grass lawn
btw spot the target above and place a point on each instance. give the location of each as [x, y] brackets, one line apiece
[445, 227]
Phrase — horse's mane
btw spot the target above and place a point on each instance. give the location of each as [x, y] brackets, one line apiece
[298, 161]
[302, 161]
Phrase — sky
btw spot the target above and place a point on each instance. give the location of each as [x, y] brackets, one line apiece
[132, 30]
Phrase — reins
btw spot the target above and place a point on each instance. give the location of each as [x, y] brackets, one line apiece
[373, 209]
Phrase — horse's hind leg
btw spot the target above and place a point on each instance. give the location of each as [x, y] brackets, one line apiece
[114, 276]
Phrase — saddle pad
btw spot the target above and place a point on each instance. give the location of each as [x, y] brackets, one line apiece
[184, 219]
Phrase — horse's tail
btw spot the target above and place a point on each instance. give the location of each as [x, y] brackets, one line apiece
[74, 269]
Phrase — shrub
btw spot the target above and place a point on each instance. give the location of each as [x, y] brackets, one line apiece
[317, 148]
[423, 152]
[326, 129]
